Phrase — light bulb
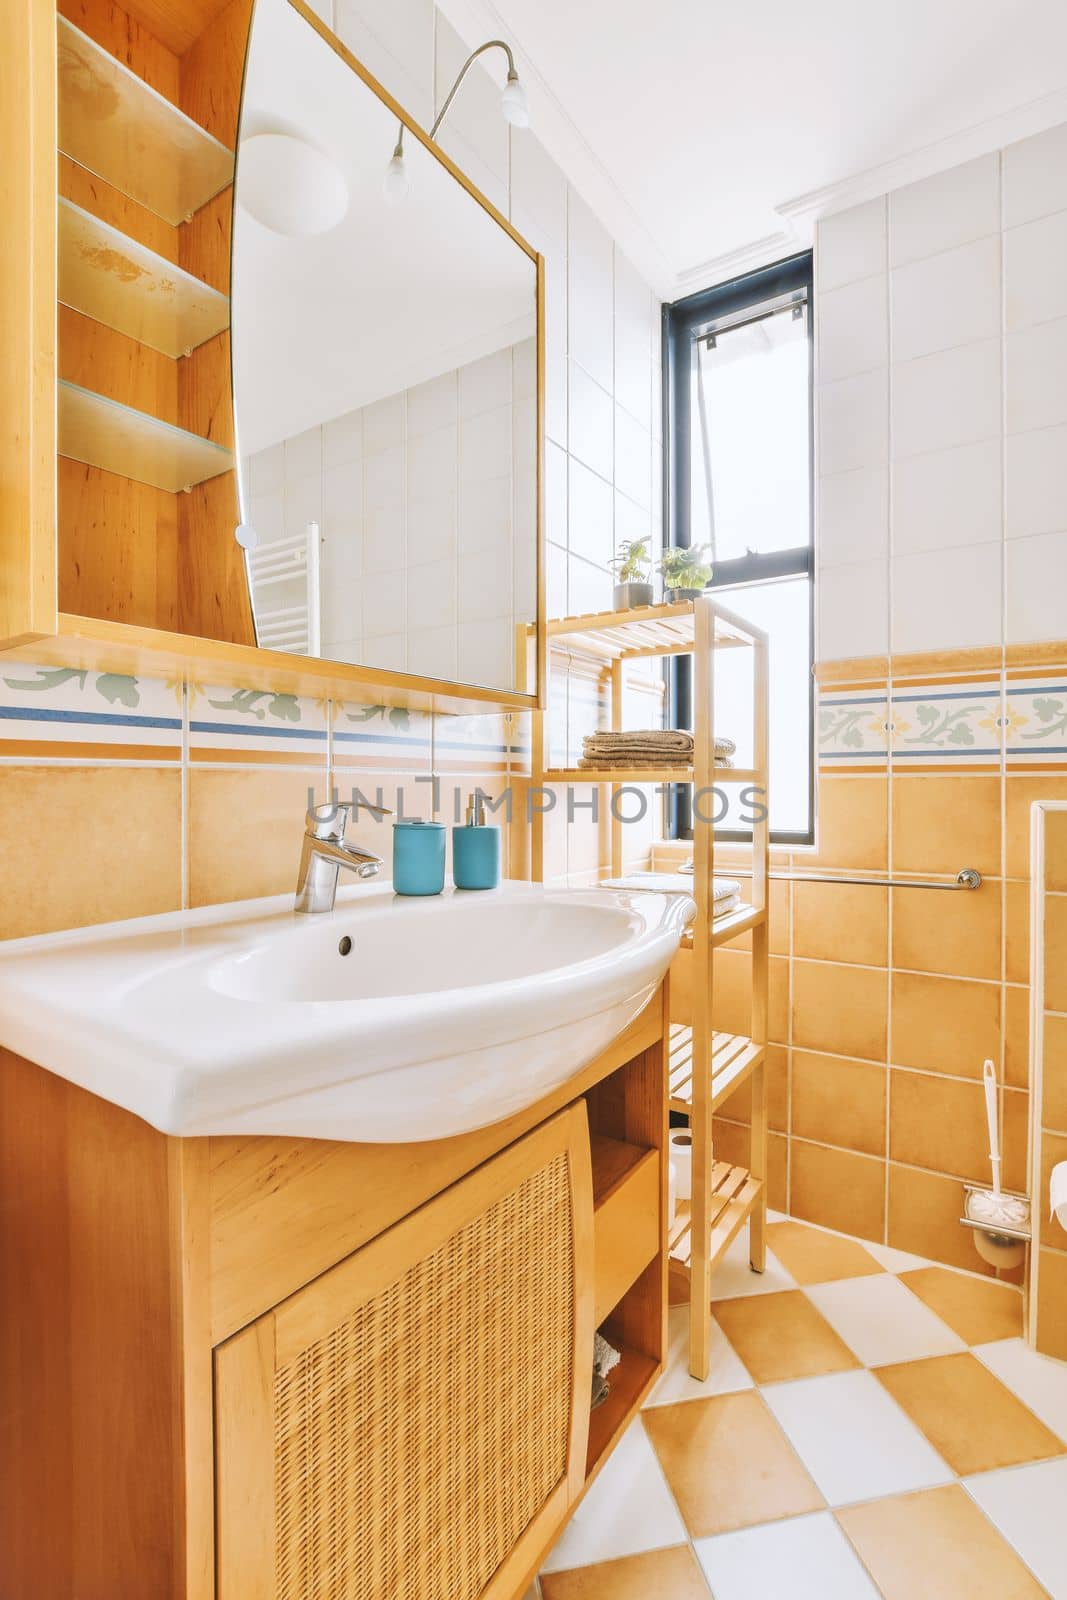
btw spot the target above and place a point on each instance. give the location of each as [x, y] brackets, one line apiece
[395, 182]
[513, 102]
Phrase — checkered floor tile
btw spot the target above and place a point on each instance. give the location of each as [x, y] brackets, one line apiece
[872, 1425]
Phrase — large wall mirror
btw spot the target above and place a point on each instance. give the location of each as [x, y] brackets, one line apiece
[385, 373]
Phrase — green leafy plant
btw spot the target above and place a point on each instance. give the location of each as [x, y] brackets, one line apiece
[632, 564]
[685, 567]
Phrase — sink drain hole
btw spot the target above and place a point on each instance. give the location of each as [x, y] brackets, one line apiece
[344, 945]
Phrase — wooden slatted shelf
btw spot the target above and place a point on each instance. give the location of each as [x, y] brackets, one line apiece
[730, 926]
[676, 774]
[667, 629]
[733, 1060]
[734, 1194]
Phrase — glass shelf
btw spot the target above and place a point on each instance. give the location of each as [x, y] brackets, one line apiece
[118, 127]
[105, 434]
[115, 280]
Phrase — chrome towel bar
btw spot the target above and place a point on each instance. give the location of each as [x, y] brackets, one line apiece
[966, 878]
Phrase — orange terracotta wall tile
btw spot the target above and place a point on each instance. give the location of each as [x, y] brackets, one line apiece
[1054, 1098]
[947, 931]
[941, 824]
[945, 1024]
[120, 829]
[924, 1218]
[839, 1101]
[1056, 952]
[1052, 1304]
[852, 824]
[1020, 794]
[838, 1189]
[938, 1123]
[839, 1009]
[841, 922]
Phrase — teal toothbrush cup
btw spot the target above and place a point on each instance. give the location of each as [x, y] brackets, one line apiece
[418, 857]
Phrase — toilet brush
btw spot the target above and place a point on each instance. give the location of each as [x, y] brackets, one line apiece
[993, 1207]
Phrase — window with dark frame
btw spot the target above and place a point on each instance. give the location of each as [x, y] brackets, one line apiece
[739, 445]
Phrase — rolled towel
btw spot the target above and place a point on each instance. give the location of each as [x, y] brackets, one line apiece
[652, 747]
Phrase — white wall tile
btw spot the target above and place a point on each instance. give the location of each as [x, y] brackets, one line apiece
[433, 652]
[268, 470]
[485, 445]
[395, 42]
[485, 383]
[1037, 586]
[485, 584]
[343, 440]
[591, 424]
[433, 404]
[1035, 271]
[590, 517]
[1035, 176]
[851, 244]
[636, 315]
[853, 422]
[947, 599]
[384, 478]
[556, 580]
[556, 349]
[1037, 482]
[538, 195]
[946, 498]
[431, 595]
[632, 522]
[946, 399]
[266, 513]
[383, 603]
[303, 455]
[555, 512]
[383, 424]
[303, 502]
[431, 462]
[852, 329]
[590, 292]
[588, 587]
[485, 515]
[431, 528]
[342, 498]
[853, 610]
[853, 516]
[945, 210]
[633, 457]
[948, 299]
[1037, 376]
[486, 652]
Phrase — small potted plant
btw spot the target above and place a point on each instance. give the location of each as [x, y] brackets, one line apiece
[633, 575]
[685, 570]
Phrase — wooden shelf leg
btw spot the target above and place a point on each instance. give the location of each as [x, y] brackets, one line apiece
[700, 1115]
[616, 724]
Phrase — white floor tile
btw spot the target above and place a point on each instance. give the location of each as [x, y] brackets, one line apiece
[853, 1438]
[726, 1375]
[628, 1509]
[806, 1558]
[894, 1260]
[1039, 1381]
[1026, 1504]
[734, 1277]
[882, 1321]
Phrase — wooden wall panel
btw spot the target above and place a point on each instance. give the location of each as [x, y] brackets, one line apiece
[85, 189]
[110, 363]
[118, 548]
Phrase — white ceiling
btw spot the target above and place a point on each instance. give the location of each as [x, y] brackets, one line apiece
[699, 130]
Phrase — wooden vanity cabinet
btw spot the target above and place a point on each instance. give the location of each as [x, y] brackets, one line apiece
[271, 1368]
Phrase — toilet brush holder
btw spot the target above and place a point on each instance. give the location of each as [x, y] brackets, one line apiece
[1002, 1243]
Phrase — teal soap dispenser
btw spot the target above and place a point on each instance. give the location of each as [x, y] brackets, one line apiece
[476, 849]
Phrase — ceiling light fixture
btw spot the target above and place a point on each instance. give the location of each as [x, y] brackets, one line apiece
[396, 182]
[290, 186]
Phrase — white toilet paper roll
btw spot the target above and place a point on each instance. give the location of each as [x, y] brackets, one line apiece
[682, 1160]
[1057, 1193]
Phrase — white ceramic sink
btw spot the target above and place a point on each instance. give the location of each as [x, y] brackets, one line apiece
[388, 1019]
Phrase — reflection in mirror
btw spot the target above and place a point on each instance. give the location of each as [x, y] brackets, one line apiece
[385, 383]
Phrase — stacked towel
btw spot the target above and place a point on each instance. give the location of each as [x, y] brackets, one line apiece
[647, 747]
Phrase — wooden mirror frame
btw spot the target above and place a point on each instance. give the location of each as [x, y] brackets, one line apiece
[32, 626]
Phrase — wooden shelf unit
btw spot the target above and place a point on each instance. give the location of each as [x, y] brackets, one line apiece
[732, 1195]
[143, 217]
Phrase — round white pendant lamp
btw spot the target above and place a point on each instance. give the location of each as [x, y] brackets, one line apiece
[290, 186]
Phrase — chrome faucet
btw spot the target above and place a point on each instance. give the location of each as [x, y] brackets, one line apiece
[325, 850]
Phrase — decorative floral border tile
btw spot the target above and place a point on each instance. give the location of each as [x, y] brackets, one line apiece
[853, 728]
[954, 723]
[1036, 719]
[475, 743]
[68, 713]
[373, 736]
[256, 726]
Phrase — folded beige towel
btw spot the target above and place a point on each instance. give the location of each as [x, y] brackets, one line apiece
[651, 747]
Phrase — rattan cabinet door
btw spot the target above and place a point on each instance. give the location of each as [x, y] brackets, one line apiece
[413, 1424]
